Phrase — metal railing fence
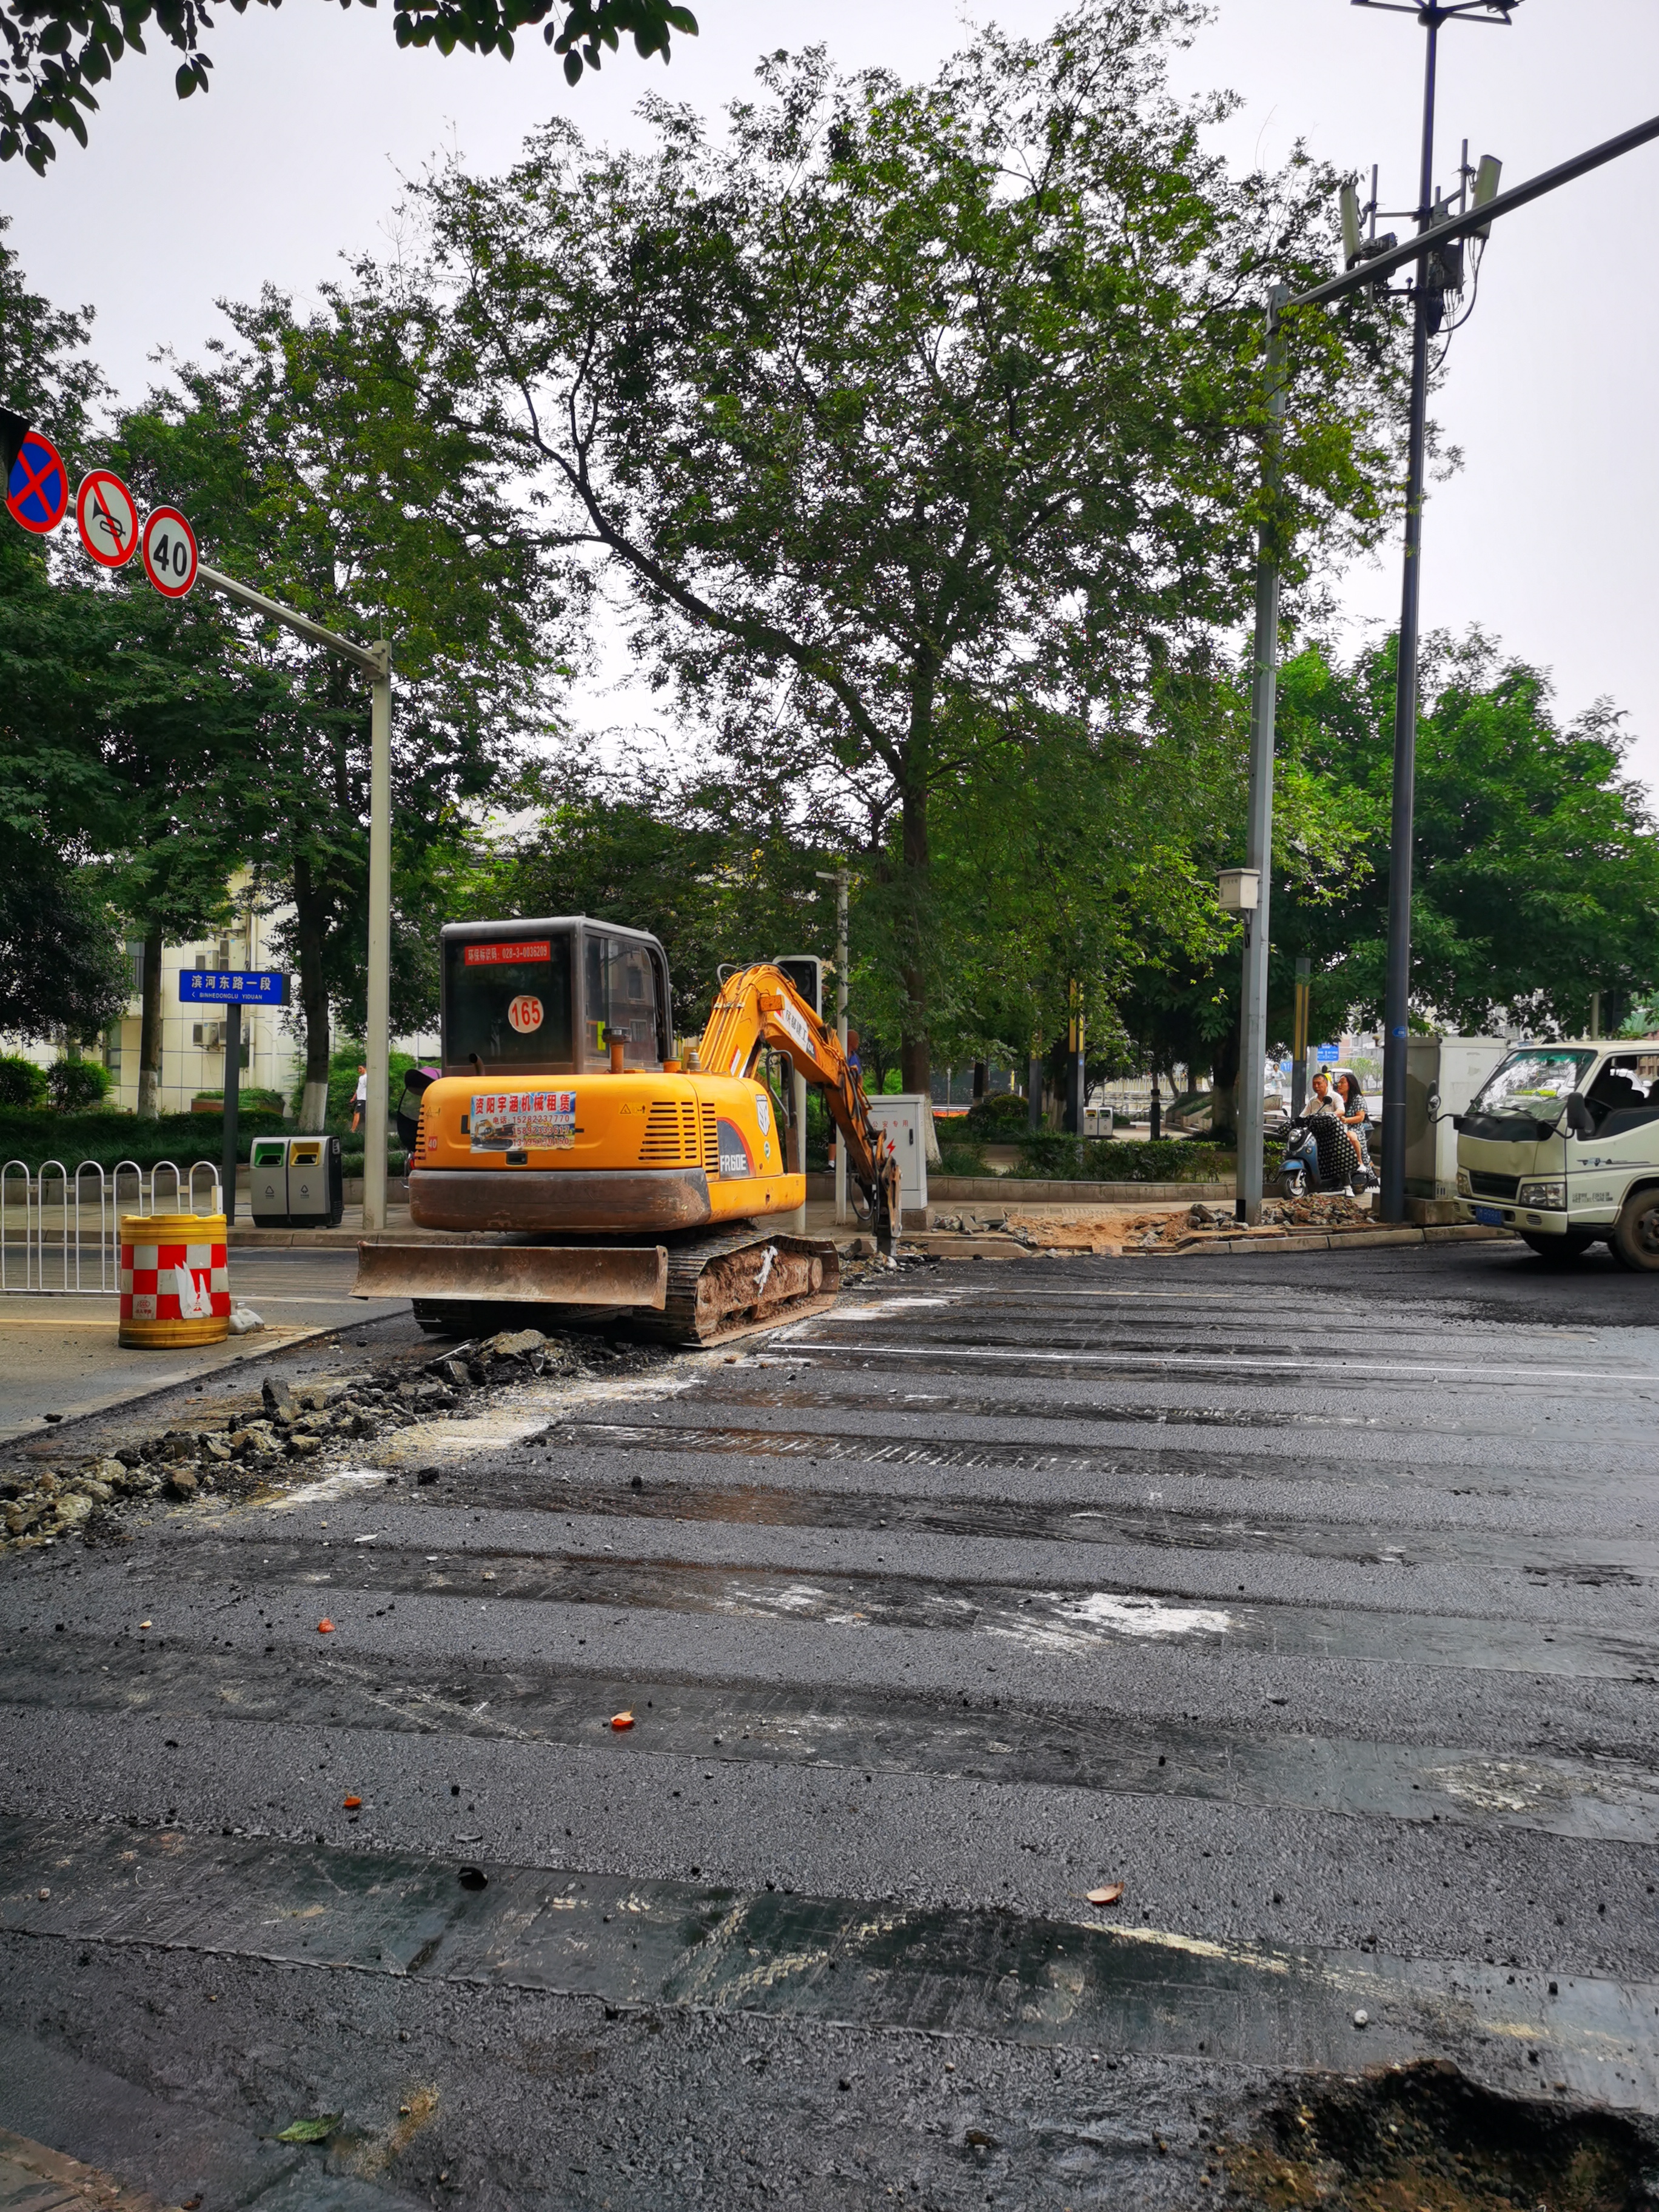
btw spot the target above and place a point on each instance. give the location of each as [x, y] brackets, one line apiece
[59, 1231]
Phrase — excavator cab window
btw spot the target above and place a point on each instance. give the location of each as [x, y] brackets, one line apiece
[620, 999]
[507, 1000]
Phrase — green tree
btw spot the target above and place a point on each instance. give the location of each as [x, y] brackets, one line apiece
[716, 881]
[53, 51]
[913, 417]
[321, 457]
[1536, 862]
[59, 969]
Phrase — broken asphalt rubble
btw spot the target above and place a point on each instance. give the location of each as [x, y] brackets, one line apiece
[295, 1421]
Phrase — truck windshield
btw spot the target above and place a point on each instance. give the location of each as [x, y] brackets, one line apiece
[1531, 1085]
[508, 1000]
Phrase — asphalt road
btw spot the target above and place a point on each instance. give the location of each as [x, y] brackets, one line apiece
[1312, 1600]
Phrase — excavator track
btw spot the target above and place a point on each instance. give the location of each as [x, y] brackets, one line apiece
[719, 1283]
[733, 1282]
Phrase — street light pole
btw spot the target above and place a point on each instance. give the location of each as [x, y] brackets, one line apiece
[1397, 990]
[377, 1044]
[375, 662]
[1252, 1012]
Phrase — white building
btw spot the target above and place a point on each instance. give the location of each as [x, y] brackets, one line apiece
[193, 1037]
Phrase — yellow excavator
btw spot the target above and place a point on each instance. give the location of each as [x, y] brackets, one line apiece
[570, 1158]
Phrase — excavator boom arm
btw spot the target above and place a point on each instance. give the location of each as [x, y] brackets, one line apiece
[759, 1006]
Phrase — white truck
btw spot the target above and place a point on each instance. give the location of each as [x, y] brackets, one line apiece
[1561, 1145]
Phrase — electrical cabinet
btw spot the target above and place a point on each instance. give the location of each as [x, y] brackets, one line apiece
[899, 1113]
[1451, 1069]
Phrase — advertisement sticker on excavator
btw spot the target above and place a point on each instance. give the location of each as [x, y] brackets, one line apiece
[507, 1120]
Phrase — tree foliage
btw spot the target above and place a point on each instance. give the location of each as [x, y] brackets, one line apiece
[915, 420]
[1536, 874]
[320, 457]
[53, 51]
[717, 876]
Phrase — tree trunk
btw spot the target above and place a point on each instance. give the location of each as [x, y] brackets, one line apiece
[149, 1036]
[313, 994]
[1224, 1080]
[979, 1081]
[915, 1051]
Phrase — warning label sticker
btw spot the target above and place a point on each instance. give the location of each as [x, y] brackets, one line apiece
[521, 1119]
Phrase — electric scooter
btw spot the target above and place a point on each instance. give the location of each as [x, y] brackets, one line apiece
[1318, 1157]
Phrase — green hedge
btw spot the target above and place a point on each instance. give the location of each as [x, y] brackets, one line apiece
[107, 1137]
[1051, 1158]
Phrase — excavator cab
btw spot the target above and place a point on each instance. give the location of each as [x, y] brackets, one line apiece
[551, 997]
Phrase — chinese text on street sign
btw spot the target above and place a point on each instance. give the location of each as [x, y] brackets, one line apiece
[241, 986]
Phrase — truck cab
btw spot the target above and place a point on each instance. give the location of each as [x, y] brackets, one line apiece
[1561, 1145]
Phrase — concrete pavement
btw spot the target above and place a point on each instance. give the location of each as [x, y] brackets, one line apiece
[1312, 1600]
[59, 1355]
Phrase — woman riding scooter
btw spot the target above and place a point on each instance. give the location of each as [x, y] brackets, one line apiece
[1356, 1119]
[1320, 1154]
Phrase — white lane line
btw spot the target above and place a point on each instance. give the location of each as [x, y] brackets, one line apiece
[816, 1346]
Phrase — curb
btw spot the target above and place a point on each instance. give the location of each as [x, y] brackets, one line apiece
[1321, 1240]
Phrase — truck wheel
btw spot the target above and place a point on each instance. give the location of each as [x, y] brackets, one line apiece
[1558, 1251]
[1635, 1239]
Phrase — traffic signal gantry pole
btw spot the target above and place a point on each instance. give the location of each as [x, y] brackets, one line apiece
[375, 662]
[1378, 267]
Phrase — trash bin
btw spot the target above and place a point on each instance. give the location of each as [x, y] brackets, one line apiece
[296, 1182]
[175, 1280]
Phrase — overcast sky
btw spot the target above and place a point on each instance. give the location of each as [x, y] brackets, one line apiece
[1545, 535]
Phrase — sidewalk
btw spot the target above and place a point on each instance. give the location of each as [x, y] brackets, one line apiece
[35, 2179]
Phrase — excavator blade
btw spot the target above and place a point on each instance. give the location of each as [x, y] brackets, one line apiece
[516, 1274]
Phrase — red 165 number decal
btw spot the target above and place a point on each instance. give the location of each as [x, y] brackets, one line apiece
[169, 550]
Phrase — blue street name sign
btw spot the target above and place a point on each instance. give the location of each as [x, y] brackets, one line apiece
[241, 986]
[1329, 1054]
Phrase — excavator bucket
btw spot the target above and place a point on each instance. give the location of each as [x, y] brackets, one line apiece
[613, 1276]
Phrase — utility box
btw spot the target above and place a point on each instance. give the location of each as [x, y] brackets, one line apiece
[899, 1113]
[296, 1182]
[1452, 1069]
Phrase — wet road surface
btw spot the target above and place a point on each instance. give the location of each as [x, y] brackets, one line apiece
[1315, 1607]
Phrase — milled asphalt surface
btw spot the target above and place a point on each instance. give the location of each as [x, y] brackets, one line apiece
[1310, 1598]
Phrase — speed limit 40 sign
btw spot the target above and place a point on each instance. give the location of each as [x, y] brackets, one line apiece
[169, 551]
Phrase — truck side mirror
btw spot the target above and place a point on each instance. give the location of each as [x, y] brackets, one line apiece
[1580, 1120]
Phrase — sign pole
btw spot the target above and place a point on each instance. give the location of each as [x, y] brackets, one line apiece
[375, 661]
[378, 1047]
[233, 1103]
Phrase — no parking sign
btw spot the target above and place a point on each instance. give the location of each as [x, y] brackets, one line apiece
[37, 484]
